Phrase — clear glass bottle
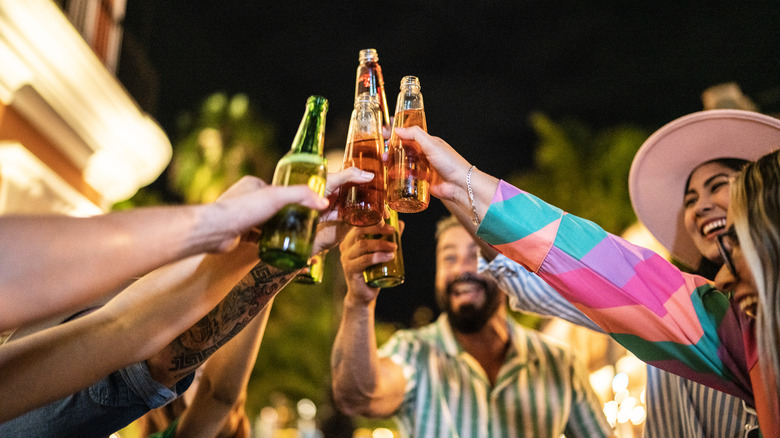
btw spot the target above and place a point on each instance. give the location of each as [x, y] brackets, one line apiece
[287, 238]
[408, 171]
[363, 205]
[387, 274]
[371, 80]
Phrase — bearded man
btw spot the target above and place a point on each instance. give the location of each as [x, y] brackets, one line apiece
[474, 372]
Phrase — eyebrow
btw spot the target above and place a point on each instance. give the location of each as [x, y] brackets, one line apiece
[709, 180]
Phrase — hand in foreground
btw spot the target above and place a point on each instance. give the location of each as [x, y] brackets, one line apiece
[249, 203]
[449, 168]
[331, 229]
[358, 253]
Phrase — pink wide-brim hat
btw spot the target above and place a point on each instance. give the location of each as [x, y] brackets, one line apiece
[661, 167]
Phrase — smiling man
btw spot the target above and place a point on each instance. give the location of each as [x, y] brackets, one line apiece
[474, 372]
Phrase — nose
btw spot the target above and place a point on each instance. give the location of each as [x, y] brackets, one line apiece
[467, 264]
[703, 204]
[725, 280]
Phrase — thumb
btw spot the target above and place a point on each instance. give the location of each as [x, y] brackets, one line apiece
[348, 175]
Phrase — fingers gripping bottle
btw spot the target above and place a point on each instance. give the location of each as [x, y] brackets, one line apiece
[388, 274]
[408, 172]
[288, 237]
[363, 205]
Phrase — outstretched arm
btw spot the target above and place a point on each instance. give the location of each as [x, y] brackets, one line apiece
[138, 322]
[218, 406]
[363, 383]
[54, 264]
[153, 311]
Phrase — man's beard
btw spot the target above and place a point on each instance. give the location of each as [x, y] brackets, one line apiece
[469, 318]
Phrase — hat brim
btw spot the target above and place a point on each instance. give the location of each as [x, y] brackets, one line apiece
[661, 167]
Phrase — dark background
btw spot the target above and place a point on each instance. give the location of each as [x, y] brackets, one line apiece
[483, 66]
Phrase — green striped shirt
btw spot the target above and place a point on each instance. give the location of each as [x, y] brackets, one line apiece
[541, 391]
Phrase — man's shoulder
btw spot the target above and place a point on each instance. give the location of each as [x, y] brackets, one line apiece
[423, 340]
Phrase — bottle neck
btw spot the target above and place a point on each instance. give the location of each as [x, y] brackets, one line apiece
[310, 137]
[410, 97]
[370, 80]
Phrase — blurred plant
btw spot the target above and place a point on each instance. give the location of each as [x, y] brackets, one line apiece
[219, 144]
[582, 171]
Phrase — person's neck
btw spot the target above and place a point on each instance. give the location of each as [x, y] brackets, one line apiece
[489, 345]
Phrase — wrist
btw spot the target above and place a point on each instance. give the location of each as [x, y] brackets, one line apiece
[359, 296]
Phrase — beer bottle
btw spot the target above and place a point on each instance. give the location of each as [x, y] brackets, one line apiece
[408, 173]
[387, 274]
[370, 80]
[363, 205]
[287, 238]
[314, 270]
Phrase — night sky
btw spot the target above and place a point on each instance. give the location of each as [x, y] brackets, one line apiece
[483, 66]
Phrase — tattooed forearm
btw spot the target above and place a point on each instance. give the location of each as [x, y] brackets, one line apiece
[227, 319]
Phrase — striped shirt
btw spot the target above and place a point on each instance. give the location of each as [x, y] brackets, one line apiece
[670, 319]
[540, 390]
[676, 407]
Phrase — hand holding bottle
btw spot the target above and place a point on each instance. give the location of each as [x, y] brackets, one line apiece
[249, 203]
[331, 230]
[450, 171]
[359, 253]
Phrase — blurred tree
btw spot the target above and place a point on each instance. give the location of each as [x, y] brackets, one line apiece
[219, 144]
[584, 172]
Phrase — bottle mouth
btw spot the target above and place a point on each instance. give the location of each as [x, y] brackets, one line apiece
[318, 101]
[407, 81]
[367, 97]
[368, 55]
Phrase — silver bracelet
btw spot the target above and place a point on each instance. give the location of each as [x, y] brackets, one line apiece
[475, 219]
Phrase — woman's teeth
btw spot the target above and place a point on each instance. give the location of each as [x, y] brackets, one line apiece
[748, 305]
[711, 226]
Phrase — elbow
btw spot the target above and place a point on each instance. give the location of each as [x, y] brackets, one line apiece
[361, 401]
[351, 404]
[223, 395]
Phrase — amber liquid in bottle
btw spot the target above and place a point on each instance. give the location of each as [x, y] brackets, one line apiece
[362, 205]
[409, 176]
[370, 80]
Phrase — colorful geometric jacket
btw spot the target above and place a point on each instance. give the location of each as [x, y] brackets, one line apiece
[672, 320]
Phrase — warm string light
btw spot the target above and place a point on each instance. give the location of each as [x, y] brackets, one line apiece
[625, 399]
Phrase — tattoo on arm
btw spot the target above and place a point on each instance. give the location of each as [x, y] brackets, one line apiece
[228, 318]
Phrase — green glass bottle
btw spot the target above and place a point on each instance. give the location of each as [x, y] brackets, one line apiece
[314, 270]
[287, 238]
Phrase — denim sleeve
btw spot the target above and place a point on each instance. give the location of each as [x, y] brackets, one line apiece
[100, 410]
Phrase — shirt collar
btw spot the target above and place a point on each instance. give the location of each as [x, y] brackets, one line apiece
[518, 339]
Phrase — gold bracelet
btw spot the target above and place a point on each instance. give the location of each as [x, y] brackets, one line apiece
[475, 219]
